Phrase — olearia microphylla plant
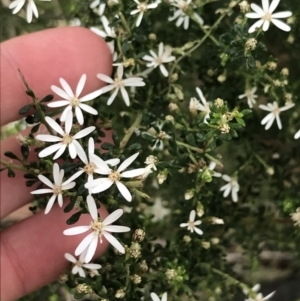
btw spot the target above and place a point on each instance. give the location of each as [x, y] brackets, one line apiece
[179, 146]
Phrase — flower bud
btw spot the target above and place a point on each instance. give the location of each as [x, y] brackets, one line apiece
[219, 102]
[173, 107]
[136, 279]
[152, 36]
[162, 176]
[189, 194]
[143, 266]
[206, 244]
[138, 235]
[250, 44]
[244, 7]
[120, 293]
[83, 288]
[171, 274]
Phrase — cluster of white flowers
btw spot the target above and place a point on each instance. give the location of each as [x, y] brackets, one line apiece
[259, 296]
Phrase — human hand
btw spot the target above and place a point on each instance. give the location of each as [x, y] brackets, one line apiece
[32, 251]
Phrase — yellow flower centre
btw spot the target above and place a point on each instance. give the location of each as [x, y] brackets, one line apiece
[114, 176]
[118, 82]
[67, 139]
[90, 168]
[97, 226]
[75, 102]
[161, 135]
[267, 17]
[79, 263]
[57, 189]
[158, 61]
[142, 7]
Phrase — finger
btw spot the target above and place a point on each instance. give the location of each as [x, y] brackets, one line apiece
[32, 251]
[43, 58]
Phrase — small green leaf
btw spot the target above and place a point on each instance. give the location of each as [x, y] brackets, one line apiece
[25, 109]
[37, 117]
[30, 183]
[25, 151]
[11, 155]
[10, 173]
[47, 98]
[116, 139]
[74, 218]
[35, 128]
[134, 146]
[251, 62]
[147, 136]
[107, 146]
[29, 119]
[30, 93]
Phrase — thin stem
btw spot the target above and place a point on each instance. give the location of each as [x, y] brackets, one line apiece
[131, 130]
[12, 166]
[124, 22]
[196, 149]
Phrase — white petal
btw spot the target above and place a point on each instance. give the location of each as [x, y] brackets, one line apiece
[127, 162]
[283, 14]
[66, 87]
[183, 225]
[226, 178]
[281, 25]
[92, 207]
[265, 5]
[45, 181]
[253, 16]
[267, 118]
[163, 70]
[68, 122]
[72, 150]
[80, 152]
[269, 296]
[273, 5]
[139, 19]
[76, 230]
[100, 164]
[91, 250]
[50, 150]
[70, 257]
[297, 135]
[114, 242]
[270, 122]
[92, 266]
[60, 92]
[124, 191]
[84, 132]
[42, 191]
[81, 272]
[60, 200]
[85, 243]
[278, 121]
[79, 115]
[105, 78]
[88, 109]
[117, 229]
[257, 9]
[113, 217]
[68, 186]
[133, 173]
[104, 185]
[29, 12]
[154, 297]
[192, 215]
[125, 96]
[56, 127]
[198, 231]
[80, 85]
[60, 151]
[75, 176]
[266, 25]
[48, 138]
[58, 104]
[91, 96]
[50, 203]
[256, 25]
[63, 116]
[164, 297]
[112, 162]
[112, 97]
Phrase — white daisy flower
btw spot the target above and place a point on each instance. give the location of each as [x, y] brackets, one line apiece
[274, 114]
[91, 166]
[181, 16]
[99, 229]
[212, 165]
[141, 9]
[232, 186]
[118, 84]
[79, 264]
[31, 10]
[163, 56]
[191, 224]
[72, 101]
[65, 141]
[114, 177]
[56, 188]
[254, 289]
[154, 297]
[157, 136]
[108, 31]
[195, 105]
[102, 5]
[266, 16]
[250, 95]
